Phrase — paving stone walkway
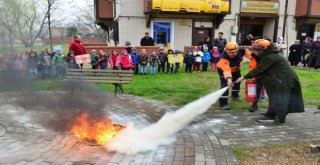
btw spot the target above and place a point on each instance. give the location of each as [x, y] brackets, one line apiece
[25, 139]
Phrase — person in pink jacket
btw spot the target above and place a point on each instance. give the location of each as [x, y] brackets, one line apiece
[114, 60]
[126, 60]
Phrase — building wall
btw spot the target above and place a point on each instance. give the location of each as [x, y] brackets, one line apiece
[301, 8]
[132, 29]
[182, 34]
[131, 8]
[268, 29]
[315, 7]
[132, 24]
[230, 20]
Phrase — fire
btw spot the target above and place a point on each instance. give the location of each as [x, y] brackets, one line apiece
[94, 129]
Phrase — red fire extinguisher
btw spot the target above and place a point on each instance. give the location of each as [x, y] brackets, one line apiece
[251, 90]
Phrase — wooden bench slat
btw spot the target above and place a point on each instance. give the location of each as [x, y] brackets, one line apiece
[99, 74]
[108, 82]
[104, 71]
[100, 78]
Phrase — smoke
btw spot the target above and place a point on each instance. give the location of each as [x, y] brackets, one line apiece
[74, 99]
[132, 140]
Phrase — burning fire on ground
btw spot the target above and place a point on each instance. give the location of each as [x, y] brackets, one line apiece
[92, 128]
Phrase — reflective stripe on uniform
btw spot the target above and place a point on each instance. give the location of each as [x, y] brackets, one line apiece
[223, 97]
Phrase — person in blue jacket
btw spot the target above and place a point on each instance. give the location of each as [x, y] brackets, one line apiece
[136, 59]
[205, 59]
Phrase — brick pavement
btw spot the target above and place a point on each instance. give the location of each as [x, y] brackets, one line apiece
[25, 139]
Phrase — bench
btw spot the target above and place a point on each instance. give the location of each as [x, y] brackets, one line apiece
[115, 77]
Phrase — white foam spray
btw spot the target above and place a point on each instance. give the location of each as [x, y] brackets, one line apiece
[131, 140]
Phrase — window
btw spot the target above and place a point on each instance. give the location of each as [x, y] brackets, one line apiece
[162, 34]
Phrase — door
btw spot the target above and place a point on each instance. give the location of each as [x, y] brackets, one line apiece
[255, 30]
[198, 35]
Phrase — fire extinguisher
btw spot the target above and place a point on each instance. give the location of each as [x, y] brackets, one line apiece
[251, 90]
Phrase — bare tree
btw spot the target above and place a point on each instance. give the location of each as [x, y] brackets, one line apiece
[87, 21]
[49, 7]
[22, 20]
[62, 32]
[9, 17]
[31, 25]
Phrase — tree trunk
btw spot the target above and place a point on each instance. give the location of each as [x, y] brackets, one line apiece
[49, 24]
[11, 40]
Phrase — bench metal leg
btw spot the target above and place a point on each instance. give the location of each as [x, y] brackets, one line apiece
[121, 89]
[115, 90]
[116, 86]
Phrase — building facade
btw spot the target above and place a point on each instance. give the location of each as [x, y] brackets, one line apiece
[172, 24]
[308, 19]
[266, 18]
[178, 23]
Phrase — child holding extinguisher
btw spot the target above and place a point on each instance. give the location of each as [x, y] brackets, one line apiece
[260, 91]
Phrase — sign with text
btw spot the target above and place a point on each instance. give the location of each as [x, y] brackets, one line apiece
[83, 59]
[260, 7]
[213, 6]
[193, 6]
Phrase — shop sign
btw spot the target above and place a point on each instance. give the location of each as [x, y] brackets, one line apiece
[183, 23]
[213, 6]
[259, 7]
[207, 6]
[318, 27]
[169, 5]
[224, 6]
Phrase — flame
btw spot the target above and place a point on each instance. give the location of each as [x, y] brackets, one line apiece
[93, 129]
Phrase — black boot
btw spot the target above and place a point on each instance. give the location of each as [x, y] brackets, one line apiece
[282, 117]
[253, 107]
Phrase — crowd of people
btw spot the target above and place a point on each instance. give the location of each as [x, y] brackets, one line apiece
[280, 81]
[307, 52]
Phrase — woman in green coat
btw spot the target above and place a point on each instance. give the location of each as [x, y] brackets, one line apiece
[281, 82]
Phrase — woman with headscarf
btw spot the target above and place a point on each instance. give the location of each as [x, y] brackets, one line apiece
[316, 53]
[306, 50]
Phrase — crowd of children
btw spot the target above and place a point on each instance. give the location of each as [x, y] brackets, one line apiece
[158, 61]
[33, 65]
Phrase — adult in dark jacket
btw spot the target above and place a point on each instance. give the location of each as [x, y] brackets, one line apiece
[316, 53]
[205, 44]
[306, 50]
[147, 40]
[220, 42]
[281, 82]
[295, 53]
[248, 41]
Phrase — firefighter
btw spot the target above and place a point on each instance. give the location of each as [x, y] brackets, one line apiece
[229, 71]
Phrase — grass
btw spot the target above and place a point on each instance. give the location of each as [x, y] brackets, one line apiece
[52, 84]
[180, 89]
[280, 154]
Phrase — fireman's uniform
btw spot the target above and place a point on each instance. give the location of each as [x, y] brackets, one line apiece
[230, 68]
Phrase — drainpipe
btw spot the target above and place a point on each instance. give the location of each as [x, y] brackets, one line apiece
[284, 26]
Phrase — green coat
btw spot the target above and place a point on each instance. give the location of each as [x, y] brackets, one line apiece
[281, 82]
